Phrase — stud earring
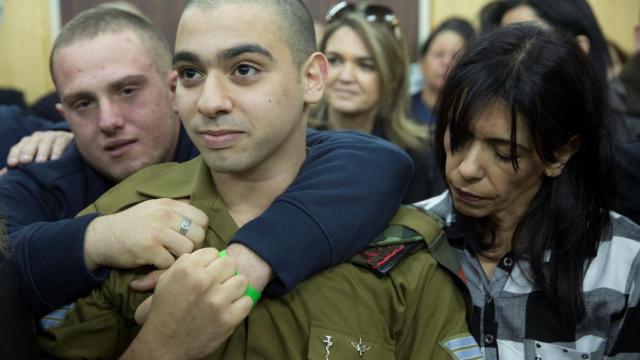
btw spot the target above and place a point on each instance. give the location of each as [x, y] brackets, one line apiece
[553, 172]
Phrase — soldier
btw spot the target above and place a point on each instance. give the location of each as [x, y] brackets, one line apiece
[247, 72]
[112, 70]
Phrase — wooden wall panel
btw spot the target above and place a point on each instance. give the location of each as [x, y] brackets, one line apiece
[617, 19]
[25, 40]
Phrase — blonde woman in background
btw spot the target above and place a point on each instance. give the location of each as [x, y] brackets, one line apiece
[367, 87]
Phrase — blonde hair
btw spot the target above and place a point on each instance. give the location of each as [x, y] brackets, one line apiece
[388, 49]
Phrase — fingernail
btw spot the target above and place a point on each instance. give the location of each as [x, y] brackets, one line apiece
[12, 160]
[40, 159]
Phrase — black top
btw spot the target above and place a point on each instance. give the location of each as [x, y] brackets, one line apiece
[628, 179]
[17, 328]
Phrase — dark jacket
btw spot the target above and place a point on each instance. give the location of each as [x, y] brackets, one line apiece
[17, 329]
[627, 157]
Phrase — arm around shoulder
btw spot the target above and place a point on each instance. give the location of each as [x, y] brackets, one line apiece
[344, 195]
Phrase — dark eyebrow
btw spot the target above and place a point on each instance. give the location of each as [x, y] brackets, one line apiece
[225, 55]
[185, 56]
[232, 52]
[505, 142]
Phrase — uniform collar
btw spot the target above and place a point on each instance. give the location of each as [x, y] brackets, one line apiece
[201, 191]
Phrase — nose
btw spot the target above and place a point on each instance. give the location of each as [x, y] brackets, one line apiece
[347, 71]
[214, 99]
[110, 119]
[471, 165]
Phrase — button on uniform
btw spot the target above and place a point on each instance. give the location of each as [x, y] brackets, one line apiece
[489, 339]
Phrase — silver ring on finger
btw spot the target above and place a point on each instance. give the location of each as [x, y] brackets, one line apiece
[185, 225]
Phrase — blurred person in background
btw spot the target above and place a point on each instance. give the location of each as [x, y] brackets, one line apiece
[575, 17]
[436, 56]
[367, 87]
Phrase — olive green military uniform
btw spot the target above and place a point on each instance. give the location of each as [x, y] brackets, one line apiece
[415, 312]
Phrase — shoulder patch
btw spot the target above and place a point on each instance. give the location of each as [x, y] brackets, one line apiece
[404, 236]
[462, 347]
[56, 317]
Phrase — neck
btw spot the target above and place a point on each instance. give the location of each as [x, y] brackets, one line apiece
[360, 121]
[429, 96]
[174, 146]
[503, 243]
[505, 227]
[249, 194]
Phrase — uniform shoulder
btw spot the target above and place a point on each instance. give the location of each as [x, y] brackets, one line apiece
[411, 229]
[126, 193]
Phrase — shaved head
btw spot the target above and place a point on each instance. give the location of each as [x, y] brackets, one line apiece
[294, 21]
[104, 19]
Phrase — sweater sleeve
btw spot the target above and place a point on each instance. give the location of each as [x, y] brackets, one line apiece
[48, 255]
[348, 188]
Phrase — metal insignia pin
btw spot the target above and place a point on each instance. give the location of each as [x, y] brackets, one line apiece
[360, 346]
[327, 344]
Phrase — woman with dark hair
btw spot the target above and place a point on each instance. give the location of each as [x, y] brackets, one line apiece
[436, 56]
[522, 139]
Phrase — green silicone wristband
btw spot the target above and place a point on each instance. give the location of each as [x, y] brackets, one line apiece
[251, 292]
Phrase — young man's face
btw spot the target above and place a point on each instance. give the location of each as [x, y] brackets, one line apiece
[239, 94]
[118, 105]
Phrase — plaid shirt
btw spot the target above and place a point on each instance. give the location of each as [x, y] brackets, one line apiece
[512, 320]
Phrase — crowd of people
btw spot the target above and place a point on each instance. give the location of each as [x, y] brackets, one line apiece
[260, 193]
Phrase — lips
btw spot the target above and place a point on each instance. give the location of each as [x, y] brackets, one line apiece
[119, 147]
[344, 92]
[468, 197]
[220, 139]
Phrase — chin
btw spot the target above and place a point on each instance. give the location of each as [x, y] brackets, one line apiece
[470, 211]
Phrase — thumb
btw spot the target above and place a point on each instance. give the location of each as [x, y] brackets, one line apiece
[148, 282]
[142, 312]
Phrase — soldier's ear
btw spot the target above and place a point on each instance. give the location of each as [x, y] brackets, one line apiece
[60, 109]
[173, 83]
[314, 76]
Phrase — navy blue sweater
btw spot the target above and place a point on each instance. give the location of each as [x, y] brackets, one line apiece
[330, 212]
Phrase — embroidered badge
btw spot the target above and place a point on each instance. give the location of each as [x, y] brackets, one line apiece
[56, 317]
[360, 346]
[327, 344]
[462, 347]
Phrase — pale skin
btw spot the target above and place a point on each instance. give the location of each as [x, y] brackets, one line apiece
[436, 63]
[230, 93]
[353, 83]
[483, 182]
[39, 147]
